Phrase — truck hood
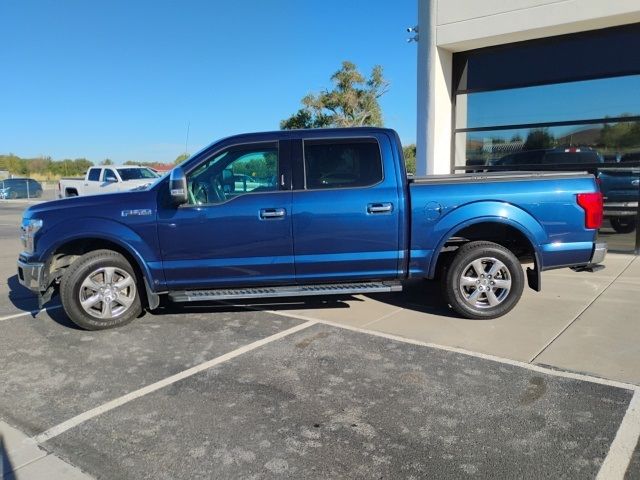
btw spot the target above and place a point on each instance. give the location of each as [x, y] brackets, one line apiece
[104, 205]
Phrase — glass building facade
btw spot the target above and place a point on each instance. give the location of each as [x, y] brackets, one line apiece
[561, 103]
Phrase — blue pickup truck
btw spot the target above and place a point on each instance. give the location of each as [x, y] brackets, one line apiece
[317, 212]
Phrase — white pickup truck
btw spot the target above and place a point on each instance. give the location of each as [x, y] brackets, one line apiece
[107, 179]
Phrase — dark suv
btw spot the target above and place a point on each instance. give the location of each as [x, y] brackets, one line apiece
[20, 188]
[620, 187]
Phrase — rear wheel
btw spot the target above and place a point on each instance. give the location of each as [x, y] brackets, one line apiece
[99, 291]
[623, 224]
[484, 280]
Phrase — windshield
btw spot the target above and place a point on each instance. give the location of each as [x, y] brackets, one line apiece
[137, 174]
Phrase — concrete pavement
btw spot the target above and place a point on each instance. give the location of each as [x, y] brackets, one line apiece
[584, 322]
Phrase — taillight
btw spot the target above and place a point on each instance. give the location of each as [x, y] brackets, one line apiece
[592, 205]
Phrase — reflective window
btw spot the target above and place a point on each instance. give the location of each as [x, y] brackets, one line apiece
[547, 105]
[94, 174]
[109, 175]
[342, 163]
[233, 172]
[574, 101]
[574, 144]
[137, 173]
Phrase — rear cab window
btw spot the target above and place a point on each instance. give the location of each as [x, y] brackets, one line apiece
[342, 163]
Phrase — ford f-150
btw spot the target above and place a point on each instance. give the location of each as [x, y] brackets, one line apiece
[327, 211]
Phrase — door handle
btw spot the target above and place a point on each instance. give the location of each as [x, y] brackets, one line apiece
[272, 213]
[380, 208]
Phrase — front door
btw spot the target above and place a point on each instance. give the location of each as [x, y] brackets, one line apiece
[110, 183]
[235, 229]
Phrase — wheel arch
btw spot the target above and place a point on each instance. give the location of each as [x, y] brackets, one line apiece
[60, 255]
[503, 231]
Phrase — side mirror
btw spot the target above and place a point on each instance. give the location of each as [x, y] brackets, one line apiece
[178, 186]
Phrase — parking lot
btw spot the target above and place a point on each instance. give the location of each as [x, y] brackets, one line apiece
[352, 387]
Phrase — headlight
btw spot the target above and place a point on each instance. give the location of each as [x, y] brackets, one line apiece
[29, 228]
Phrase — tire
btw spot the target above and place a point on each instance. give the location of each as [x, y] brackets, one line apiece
[623, 224]
[107, 308]
[474, 294]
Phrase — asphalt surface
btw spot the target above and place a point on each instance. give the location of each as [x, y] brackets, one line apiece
[323, 402]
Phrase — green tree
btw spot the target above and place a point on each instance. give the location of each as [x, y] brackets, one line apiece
[409, 152]
[106, 161]
[620, 136]
[181, 158]
[539, 138]
[352, 102]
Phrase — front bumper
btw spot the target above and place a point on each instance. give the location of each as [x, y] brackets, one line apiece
[30, 275]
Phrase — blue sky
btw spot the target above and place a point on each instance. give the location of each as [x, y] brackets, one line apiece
[122, 79]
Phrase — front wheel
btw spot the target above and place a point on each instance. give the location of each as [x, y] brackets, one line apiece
[484, 280]
[623, 224]
[99, 291]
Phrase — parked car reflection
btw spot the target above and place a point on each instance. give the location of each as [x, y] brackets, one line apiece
[20, 188]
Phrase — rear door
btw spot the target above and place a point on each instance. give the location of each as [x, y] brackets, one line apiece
[345, 210]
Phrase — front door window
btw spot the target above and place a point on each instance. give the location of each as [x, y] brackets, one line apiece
[234, 172]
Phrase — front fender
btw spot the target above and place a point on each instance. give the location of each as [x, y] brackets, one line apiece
[101, 229]
[483, 212]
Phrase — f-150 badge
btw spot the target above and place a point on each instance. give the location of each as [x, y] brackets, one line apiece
[138, 212]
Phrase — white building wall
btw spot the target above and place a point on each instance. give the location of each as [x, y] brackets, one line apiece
[468, 24]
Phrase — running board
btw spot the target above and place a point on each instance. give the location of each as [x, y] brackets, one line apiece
[289, 291]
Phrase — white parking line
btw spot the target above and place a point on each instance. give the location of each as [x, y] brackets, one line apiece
[621, 450]
[33, 313]
[83, 417]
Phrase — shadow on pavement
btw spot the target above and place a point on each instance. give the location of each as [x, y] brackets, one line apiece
[292, 303]
[7, 467]
[418, 295]
[24, 299]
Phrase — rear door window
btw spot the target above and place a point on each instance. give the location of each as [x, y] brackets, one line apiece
[94, 174]
[343, 163]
